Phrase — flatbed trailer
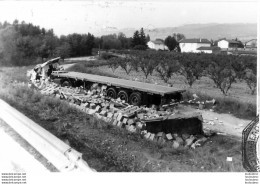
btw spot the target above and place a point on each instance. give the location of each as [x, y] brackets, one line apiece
[133, 92]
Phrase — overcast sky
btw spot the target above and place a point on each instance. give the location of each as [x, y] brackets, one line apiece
[91, 16]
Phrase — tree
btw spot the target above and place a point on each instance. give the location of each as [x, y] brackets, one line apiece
[125, 42]
[142, 38]
[63, 50]
[125, 64]
[238, 65]
[147, 62]
[148, 38]
[81, 44]
[8, 49]
[136, 39]
[167, 67]
[190, 68]
[178, 36]
[113, 63]
[171, 42]
[251, 80]
[221, 72]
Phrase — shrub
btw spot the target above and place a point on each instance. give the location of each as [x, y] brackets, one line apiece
[140, 47]
[106, 56]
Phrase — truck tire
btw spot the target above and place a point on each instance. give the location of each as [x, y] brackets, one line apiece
[135, 99]
[111, 92]
[66, 83]
[123, 95]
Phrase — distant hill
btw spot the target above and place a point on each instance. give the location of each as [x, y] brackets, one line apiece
[213, 31]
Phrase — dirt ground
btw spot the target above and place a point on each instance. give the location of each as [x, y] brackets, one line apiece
[222, 123]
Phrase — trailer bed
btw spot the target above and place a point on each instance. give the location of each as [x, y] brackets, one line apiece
[134, 85]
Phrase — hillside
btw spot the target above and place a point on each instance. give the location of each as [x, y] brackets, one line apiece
[210, 31]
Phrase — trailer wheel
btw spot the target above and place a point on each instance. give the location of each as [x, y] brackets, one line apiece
[66, 83]
[123, 95]
[111, 92]
[135, 99]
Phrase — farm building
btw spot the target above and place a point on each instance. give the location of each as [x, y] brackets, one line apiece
[251, 44]
[191, 45]
[157, 44]
[209, 50]
[229, 44]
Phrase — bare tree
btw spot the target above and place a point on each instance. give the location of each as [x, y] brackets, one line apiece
[222, 75]
[113, 63]
[166, 68]
[125, 64]
[251, 81]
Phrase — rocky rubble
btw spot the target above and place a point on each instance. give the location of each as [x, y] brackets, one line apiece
[120, 114]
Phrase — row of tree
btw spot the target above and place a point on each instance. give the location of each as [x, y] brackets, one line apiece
[120, 41]
[22, 43]
[224, 70]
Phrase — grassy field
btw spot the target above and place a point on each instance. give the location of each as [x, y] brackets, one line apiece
[239, 102]
[108, 148]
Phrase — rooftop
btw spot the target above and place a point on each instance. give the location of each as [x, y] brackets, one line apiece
[230, 41]
[158, 42]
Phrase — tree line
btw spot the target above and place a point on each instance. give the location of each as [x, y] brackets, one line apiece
[120, 41]
[223, 70]
[24, 43]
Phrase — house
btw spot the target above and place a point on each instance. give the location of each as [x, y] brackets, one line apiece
[229, 44]
[157, 44]
[251, 44]
[191, 45]
[209, 50]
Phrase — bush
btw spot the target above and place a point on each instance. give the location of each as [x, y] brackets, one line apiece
[140, 47]
[106, 56]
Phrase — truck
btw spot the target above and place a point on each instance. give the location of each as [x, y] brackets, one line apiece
[161, 113]
[133, 92]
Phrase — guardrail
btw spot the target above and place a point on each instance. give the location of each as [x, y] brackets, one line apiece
[61, 155]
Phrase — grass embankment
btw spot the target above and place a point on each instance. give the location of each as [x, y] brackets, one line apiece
[239, 102]
[108, 148]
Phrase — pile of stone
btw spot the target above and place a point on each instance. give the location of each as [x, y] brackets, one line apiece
[175, 140]
[118, 113]
[201, 104]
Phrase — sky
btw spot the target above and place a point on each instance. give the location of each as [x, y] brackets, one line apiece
[66, 17]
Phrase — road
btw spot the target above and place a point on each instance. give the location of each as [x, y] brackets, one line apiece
[226, 123]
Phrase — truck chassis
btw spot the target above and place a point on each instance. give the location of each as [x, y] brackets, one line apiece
[132, 92]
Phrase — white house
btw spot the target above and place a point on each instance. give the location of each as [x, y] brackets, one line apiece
[157, 45]
[228, 44]
[191, 45]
